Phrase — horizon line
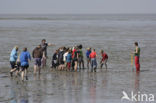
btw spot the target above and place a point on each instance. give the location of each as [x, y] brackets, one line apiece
[69, 13]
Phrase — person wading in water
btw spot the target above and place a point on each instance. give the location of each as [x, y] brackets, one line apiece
[137, 56]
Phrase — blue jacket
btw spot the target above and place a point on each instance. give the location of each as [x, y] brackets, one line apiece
[13, 55]
[88, 53]
[68, 58]
[24, 57]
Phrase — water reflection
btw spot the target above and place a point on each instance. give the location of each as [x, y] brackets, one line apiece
[18, 92]
[137, 84]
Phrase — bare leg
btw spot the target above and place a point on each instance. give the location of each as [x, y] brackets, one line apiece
[83, 64]
[26, 71]
[101, 65]
[39, 70]
[88, 63]
[35, 69]
[22, 75]
[12, 70]
[79, 65]
[106, 63]
[75, 65]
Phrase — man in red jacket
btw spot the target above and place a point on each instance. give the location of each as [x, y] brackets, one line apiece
[104, 59]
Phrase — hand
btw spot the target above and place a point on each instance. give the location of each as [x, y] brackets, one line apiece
[44, 57]
[49, 44]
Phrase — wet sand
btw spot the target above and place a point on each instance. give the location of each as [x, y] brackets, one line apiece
[75, 87]
[113, 33]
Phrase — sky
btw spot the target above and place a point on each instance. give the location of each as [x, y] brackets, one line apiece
[76, 6]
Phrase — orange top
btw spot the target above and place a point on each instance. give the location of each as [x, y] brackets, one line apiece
[92, 55]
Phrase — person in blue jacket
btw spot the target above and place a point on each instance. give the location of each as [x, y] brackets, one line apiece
[87, 56]
[24, 59]
[13, 59]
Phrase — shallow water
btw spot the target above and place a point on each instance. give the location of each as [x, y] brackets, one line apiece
[113, 33]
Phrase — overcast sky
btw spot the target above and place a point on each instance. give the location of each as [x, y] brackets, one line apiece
[77, 6]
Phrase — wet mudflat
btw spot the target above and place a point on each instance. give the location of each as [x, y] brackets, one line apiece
[113, 33]
[75, 87]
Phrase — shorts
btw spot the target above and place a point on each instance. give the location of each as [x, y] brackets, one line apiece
[75, 59]
[80, 59]
[12, 63]
[61, 62]
[37, 61]
[24, 67]
[17, 66]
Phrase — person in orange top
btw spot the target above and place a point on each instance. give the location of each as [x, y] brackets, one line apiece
[93, 56]
[103, 59]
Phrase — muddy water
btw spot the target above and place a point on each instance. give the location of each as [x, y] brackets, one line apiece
[113, 33]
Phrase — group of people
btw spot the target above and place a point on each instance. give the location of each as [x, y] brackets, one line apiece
[72, 59]
[20, 62]
[64, 58]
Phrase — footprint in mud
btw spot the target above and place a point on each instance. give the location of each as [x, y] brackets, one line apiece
[7, 86]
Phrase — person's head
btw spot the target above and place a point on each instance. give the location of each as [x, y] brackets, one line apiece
[16, 48]
[93, 50]
[39, 46]
[64, 48]
[56, 51]
[69, 51]
[89, 49]
[43, 40]
[77, 48]
[80, 46]
[61, 49]
[102, 51]
[25, 49]
[136, 43]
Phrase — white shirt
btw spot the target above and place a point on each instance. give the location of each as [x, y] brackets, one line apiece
[64, 56]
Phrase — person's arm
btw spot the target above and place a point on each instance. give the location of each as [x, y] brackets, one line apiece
[96, 55]
[89, 55]
[136, 51]
[15, 55]
[33, 54]
[29, 56]
[49, 44]
[86, 53]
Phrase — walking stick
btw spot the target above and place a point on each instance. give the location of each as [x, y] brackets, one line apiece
[132, 62]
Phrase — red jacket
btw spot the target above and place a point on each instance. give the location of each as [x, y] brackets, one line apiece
[104, 56]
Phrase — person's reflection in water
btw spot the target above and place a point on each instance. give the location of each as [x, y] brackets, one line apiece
[93, 80]
[13, 92]
[23, 94]
[137, 83]
[37, 92]
[104, 80]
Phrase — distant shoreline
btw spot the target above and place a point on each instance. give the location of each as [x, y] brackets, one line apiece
[78, 14]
